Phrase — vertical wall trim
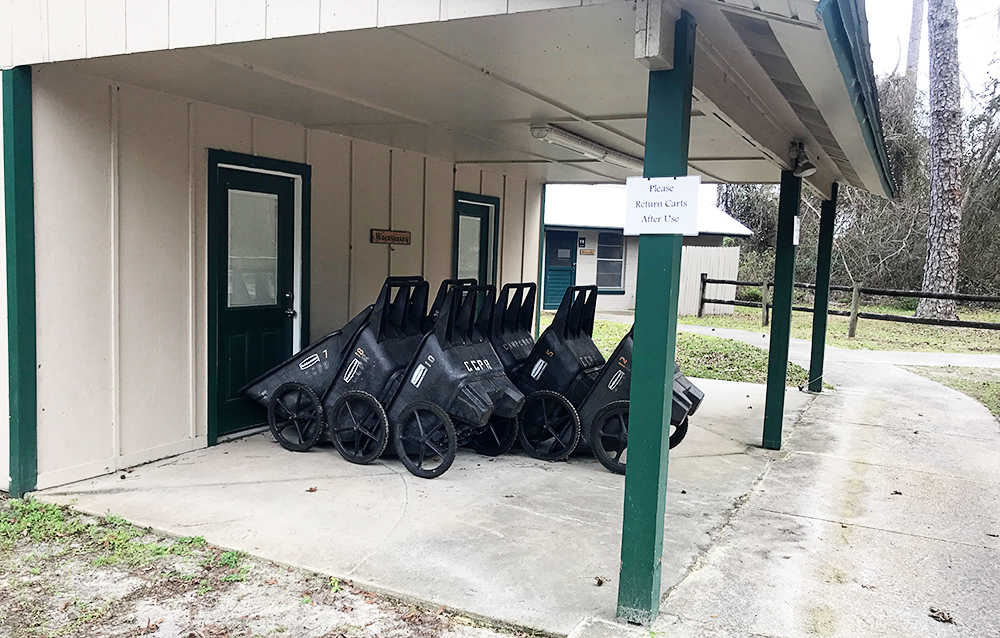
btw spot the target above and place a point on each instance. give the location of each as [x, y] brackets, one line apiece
[541, 249]
[524, 229]
[19, 210]
[116, 362]
[350, 225]
[501, 222]
[423, 222]
[388, 248]
[192, 277]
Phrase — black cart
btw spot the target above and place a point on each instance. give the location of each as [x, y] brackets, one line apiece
[572, 393]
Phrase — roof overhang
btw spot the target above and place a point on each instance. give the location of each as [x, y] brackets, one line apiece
[768, 73]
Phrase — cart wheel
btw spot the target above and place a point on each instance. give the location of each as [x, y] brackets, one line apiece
[295, 415]
[358, 427]
[549, 426]
[425, 439]
[609, 436]
[497, 438]
[680, 430]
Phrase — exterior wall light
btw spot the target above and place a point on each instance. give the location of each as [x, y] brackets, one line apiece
[801, 166]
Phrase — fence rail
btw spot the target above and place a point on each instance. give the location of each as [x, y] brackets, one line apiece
[855, 313]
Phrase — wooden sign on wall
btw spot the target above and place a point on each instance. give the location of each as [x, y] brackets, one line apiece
[390, 237]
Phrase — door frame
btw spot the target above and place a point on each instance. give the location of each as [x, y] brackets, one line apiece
[493, 224]
[301, 176]
[545, 259]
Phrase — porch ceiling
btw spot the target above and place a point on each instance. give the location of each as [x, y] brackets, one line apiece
[467, 90]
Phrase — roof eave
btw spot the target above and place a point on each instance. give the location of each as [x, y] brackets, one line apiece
[849, 41]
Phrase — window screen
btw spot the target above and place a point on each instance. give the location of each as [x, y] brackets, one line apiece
[610, 261]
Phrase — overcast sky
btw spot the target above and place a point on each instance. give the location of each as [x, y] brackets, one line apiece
[978, 39]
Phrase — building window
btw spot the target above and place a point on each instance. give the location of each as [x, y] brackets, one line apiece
[610, 261]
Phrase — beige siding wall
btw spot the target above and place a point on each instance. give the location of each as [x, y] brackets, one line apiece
[121, 251]
[75, 272]
[520, 216]
[33, 31]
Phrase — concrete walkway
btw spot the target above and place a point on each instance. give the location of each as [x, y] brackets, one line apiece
[883, 504]
[509, 538]
[884, 507]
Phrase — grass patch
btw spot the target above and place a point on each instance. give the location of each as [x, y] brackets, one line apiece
[716, 358]
[875, 335]
[702, 356]
[982, 384]
[39, 521]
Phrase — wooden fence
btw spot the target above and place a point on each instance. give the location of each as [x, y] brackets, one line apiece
[857, 290]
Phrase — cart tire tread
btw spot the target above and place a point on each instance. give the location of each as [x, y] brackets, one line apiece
[401, 434]
[567, 439]
[381, 438]
[313, 420]
[598, 437]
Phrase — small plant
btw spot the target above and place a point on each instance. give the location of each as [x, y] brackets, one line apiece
[203, 588]
[186, 545]
[334, 585]
[238, 577]
[306, 600]
[231, 559]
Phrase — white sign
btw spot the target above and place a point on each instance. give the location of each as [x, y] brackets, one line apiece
[662, 205]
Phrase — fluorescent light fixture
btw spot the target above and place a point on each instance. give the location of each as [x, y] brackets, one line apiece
[588, 148]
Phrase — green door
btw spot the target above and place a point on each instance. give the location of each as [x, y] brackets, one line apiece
[560, 266]
[251, 282]
[476, 226]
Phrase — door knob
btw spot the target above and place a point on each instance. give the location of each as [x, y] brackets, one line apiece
[291, 312]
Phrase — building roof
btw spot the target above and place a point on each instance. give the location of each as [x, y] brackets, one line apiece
[603, 206]
[464, 80]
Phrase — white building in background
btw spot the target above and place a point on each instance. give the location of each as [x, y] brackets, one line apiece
[584, 245]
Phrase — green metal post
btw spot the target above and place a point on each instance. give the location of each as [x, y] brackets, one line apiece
[668, 117]
[19, 210]
[781, 309]
[824, 257]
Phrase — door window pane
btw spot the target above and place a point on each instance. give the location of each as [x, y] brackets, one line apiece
[469, 246]
[610, 260]
[253, 249]
[559, 249]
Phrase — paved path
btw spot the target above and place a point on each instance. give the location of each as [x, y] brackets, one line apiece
[884, 505]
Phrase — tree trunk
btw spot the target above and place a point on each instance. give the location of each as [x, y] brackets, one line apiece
[910, 87]
[913, 56]
[945, 221]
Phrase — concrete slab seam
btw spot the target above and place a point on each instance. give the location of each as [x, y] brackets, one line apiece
[402, 514]
[875, 529]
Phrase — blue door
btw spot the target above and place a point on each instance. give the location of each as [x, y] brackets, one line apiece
[560, 266]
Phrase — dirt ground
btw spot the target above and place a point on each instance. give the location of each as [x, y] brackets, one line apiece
[63, 573]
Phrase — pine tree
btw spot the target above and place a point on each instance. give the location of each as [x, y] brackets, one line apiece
[945, 220]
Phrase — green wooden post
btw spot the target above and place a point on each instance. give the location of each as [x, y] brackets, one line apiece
[781, 309]
[668, 118]
[19, 210]
[824, 257]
